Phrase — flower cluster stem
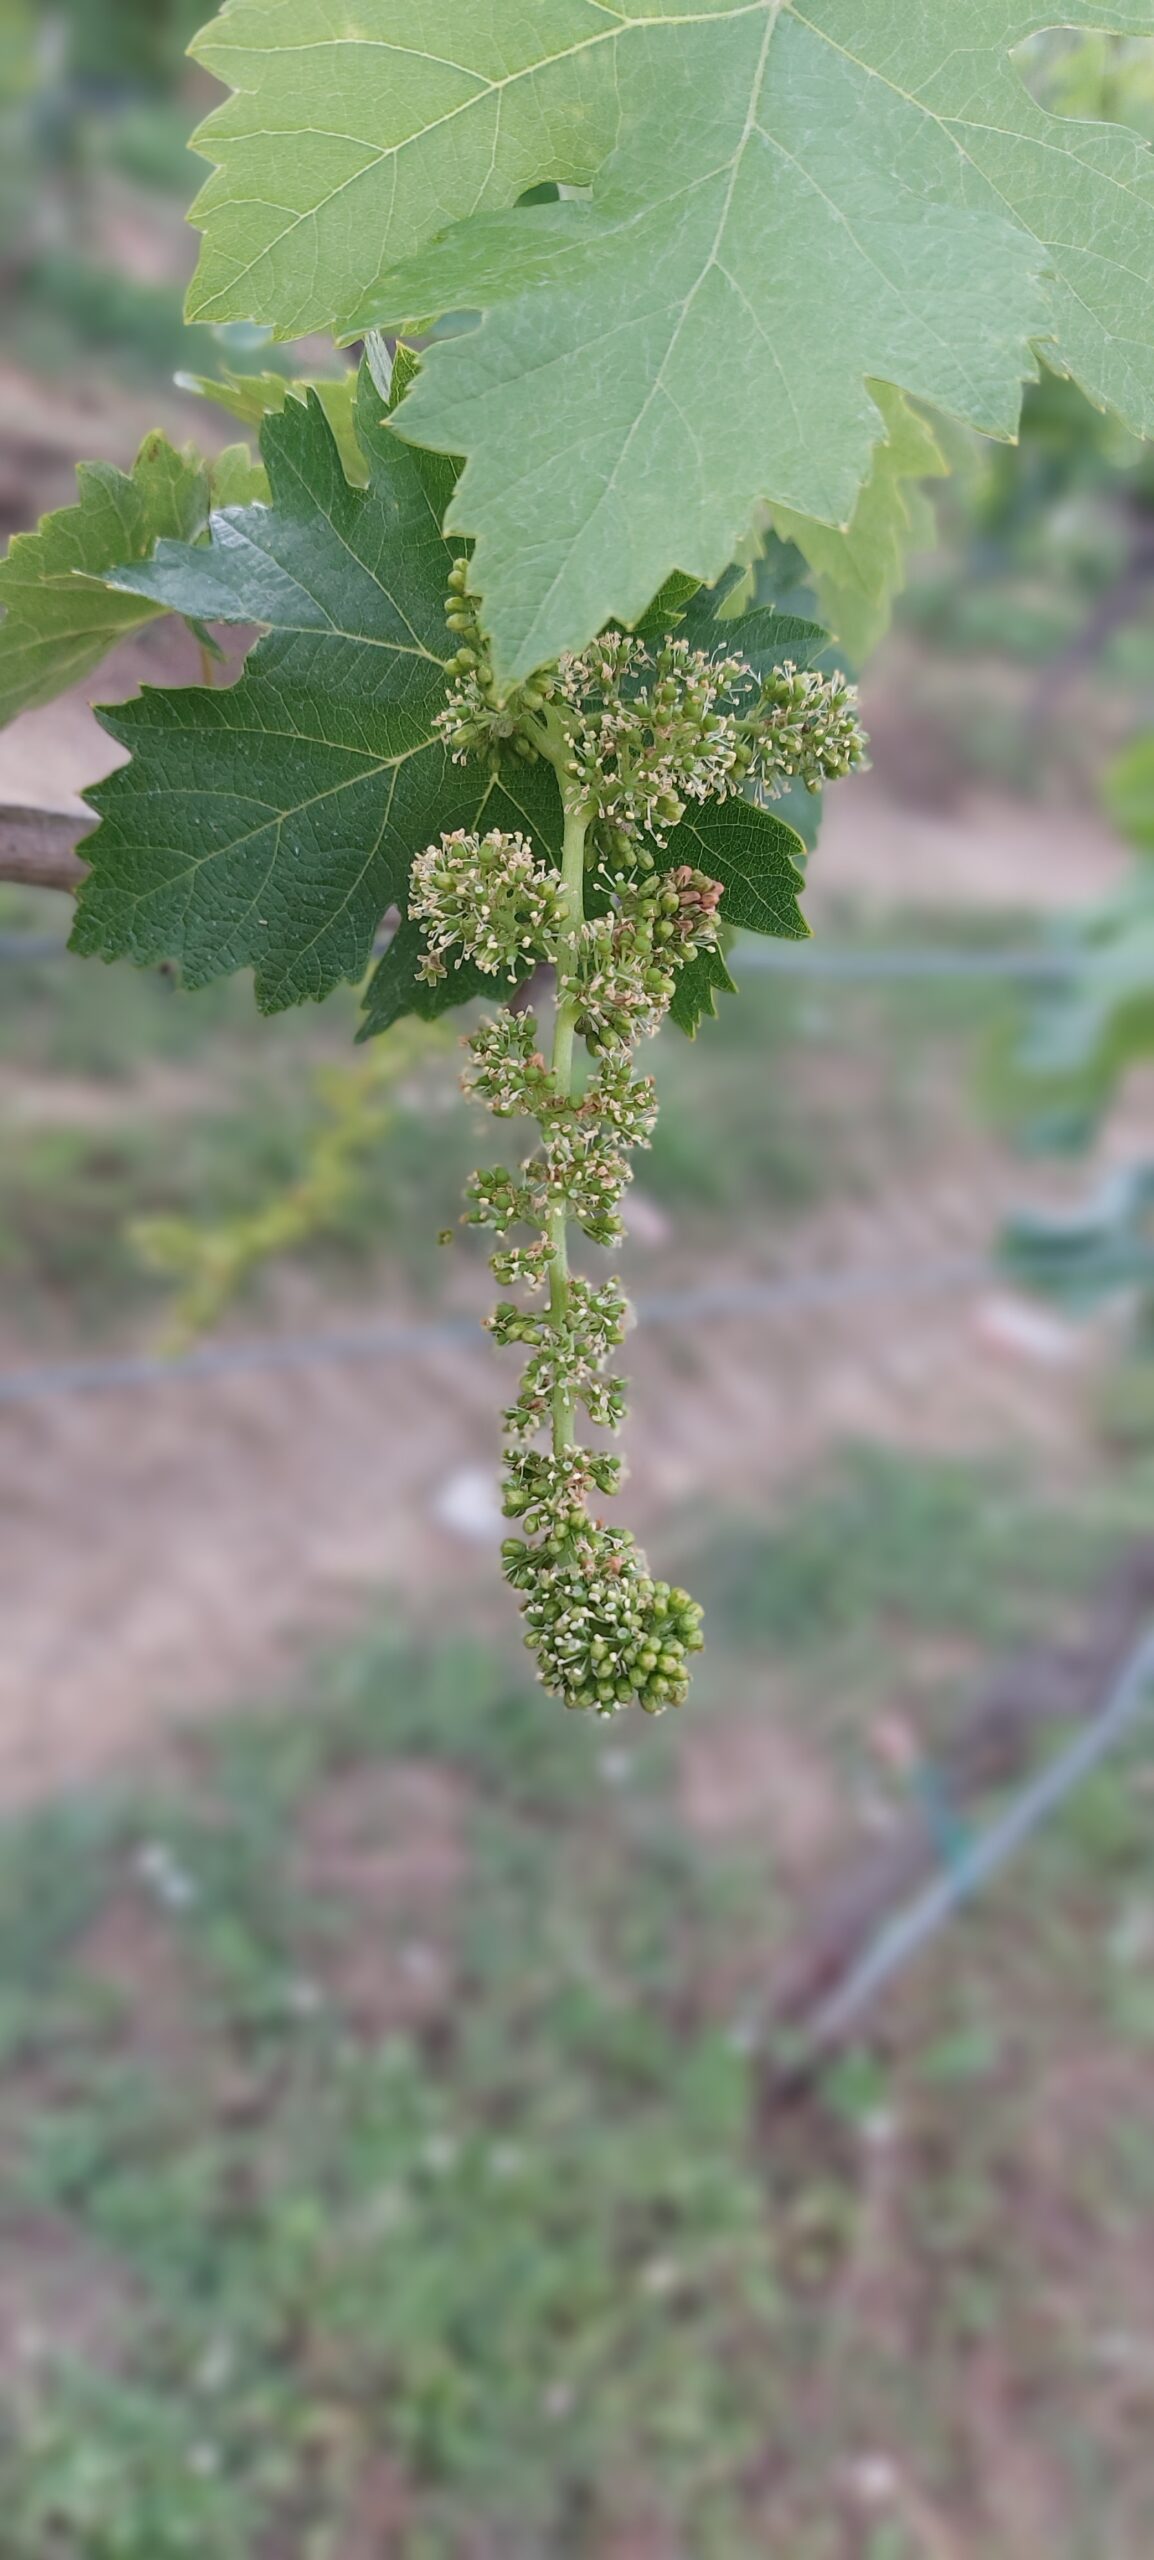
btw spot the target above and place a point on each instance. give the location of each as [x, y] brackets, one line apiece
[564, 1029]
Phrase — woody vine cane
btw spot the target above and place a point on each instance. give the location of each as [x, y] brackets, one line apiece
[632, 736]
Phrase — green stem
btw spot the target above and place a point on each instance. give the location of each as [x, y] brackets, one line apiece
[564, 1029]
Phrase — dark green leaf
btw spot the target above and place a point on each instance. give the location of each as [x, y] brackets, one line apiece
[754, 855]
[668, 608]
[271, 824]
[765, 638]
[697, 990]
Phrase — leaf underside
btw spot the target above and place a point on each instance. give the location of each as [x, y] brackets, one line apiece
[788, 200]
[857, 573]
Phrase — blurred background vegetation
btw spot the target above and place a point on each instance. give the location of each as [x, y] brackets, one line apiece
[396, 2160]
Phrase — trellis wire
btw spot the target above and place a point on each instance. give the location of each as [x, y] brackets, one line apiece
[808, 1290]
[827, 960]
[778, 959]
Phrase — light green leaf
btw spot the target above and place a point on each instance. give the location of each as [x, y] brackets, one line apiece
[790, 198]
[253, 397]
[1085, 1028]
[271, 823]
[238, 480]
[60, 619]
[858, 573]
[352, 140]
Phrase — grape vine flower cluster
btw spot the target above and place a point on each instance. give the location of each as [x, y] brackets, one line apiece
[487, 894]
[603, 1631]
[635, 735]
[647, 731]
[650, 732]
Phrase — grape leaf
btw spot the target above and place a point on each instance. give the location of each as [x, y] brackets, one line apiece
[251, 397]
[757, 857]
[754, 854]
[61, 619]
[1083, 1029]
[858, 572]
[237, 479]
[271, 823]
[789, 198]
[763, 637]
[1079, 1256]
[698, 987]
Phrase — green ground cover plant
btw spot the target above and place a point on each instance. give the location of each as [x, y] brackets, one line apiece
[474, 2244]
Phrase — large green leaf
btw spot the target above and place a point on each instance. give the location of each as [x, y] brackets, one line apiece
[60, 619]
[270, 824]
[790, 198]
[858, 572]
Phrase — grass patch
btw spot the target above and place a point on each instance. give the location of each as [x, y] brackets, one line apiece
[891, 1542]
[391, 2077]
